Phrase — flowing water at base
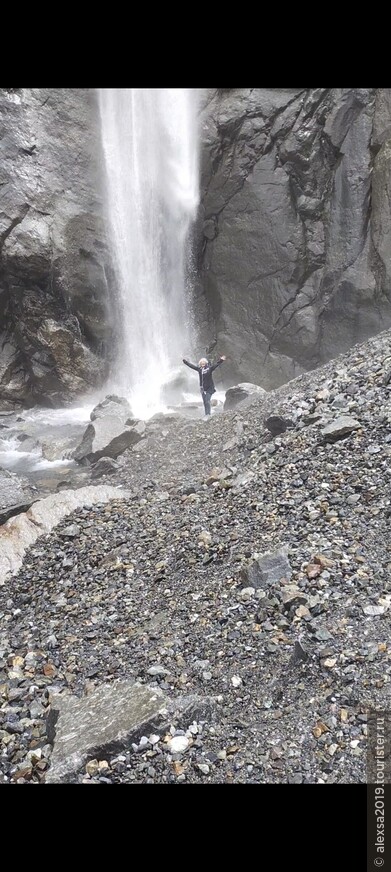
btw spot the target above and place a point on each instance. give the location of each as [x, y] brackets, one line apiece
[37, 443]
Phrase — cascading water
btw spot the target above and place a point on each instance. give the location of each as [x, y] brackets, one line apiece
[150, 144]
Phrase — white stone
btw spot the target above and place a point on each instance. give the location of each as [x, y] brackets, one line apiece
[178, 744]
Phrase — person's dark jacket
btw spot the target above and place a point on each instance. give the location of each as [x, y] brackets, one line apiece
[205, 375]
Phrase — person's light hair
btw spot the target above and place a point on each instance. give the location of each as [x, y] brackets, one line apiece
[203, 362]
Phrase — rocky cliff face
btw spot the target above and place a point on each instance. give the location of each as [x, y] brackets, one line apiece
[292, 246]
[294, 238]
[55, 318]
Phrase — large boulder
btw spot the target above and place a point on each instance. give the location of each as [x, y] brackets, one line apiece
[240, 392]
[111, 716]
[111, 432]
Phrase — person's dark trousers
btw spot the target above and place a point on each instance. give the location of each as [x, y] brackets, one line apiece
[206, 396]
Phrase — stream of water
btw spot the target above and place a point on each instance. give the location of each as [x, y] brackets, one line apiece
[151, 146]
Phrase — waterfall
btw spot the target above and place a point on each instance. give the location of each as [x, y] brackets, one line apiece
[150, 144]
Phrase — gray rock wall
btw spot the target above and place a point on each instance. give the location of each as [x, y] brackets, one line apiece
[55, 316]
[294, 237]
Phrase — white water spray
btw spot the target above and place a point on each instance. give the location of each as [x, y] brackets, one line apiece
[150, 142]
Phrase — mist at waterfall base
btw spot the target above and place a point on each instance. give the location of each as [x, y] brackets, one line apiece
[150, 143]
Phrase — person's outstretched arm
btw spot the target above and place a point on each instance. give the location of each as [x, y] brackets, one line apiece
[220, 360]
[191, 365]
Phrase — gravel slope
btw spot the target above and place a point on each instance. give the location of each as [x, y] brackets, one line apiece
[159, 587]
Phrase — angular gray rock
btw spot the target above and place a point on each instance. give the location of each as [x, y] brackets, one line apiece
[339, 428]
[107, 437]
[102, 722]
[267, 569]
[112, 405]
